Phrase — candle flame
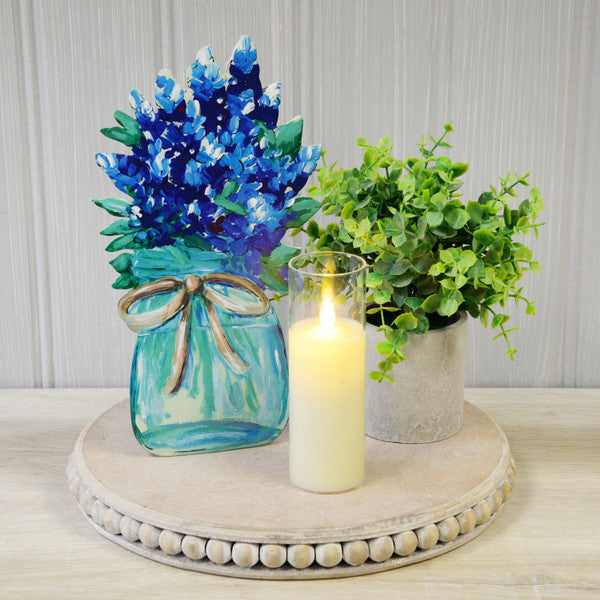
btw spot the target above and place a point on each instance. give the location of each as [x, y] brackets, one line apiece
[327, 313]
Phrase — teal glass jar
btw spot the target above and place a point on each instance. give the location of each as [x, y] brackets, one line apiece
[231, 390]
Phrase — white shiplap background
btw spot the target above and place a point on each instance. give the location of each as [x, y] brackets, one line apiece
[520, 79]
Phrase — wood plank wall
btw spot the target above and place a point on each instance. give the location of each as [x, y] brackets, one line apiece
[520, 79]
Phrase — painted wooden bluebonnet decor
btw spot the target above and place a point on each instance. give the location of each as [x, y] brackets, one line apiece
[212, 186]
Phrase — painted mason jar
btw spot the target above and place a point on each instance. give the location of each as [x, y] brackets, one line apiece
[209, 370]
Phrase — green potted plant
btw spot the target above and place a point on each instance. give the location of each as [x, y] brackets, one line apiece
[434, 259]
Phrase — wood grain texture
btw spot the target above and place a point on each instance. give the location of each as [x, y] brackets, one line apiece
[521, 81]
[544, 543]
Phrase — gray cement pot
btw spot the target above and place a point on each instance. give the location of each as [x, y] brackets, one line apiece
[425, 403]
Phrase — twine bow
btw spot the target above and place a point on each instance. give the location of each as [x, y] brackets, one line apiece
[181, 302]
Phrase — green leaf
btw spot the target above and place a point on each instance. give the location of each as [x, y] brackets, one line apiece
[530, 310]
[266, 132]
[373, 280]
[443, 164]
[273, 280]
[448, 284]
[376, 375]
[289, 137]
[129, 123]
[475, 211]
[448, 306]
[197, 241]
[472, 306]
[114, 206]
[312, 229]
[120, 135]
[400, 266]
[486, 198]
[413, 302]
[230, 206]
[228, 189]
[348, 209]
[282, 255]
[436, 269]
[499, 320]
[459, 169]
[457, 218]
[382, 297]
[485, 237]
[421, 227]
[431, 303]
[304, 208]
[123, 282]
[122, 263]
[439, 200]
[434, 218]
[406, 321]
[120, 243]
[116, 228]
[361, 142]
[385, 347]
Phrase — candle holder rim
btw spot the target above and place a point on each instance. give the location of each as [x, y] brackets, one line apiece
[362, 264]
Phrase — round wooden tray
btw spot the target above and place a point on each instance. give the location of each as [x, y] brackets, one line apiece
[236, 513]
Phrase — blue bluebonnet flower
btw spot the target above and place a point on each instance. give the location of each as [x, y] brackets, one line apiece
[208, 164]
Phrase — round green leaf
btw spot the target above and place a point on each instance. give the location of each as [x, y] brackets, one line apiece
[406, 321]
[384, 347]
[434, 218]
[457, 218]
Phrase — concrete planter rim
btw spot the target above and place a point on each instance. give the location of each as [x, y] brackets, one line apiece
[462, 317]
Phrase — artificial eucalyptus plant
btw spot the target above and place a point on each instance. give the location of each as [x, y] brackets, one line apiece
[431, 254]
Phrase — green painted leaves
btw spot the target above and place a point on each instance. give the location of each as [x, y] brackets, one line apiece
[129, 133]
[223, 201]
[114, 206]
[272, 265]
[289, 137]
[304, 208]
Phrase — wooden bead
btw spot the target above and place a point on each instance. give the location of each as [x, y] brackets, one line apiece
[170, 542]
[86, 500]
[301, 556]
[506, 489]
[405, 543]
[272, 555]
[427, 537]
[112, 521]
[328, 555]
[193, 547]
[149, 535]
[448, 529]
[218, 551]
[495, 501]
[482, 512]
[381, 548]
[75, 485]
[355, 553]
[130, 529]
[97, 512]
[466, 521]
[244, 554]
[511, 477]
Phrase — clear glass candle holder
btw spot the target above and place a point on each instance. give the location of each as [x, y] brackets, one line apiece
[327, 345]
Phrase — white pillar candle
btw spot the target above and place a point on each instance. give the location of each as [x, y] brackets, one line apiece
[327, 402]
